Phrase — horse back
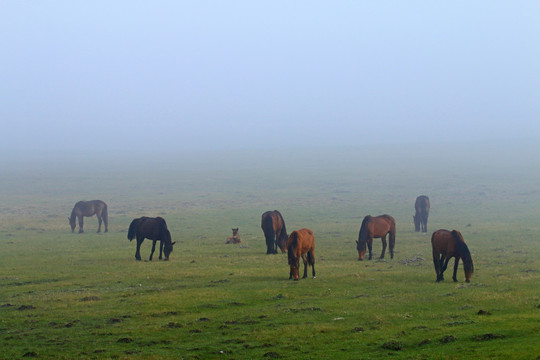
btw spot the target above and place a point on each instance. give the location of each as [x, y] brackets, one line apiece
[381, 225]
[89, 208]
[301, 241]
[443, 242]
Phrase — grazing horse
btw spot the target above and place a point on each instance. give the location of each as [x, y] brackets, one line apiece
[447, 244]
[275, 232]
[421, 205]
[235, 238]
[301, 244]
[154, 229]
[376, 227]
[89, 208]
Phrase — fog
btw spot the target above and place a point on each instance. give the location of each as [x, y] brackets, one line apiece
[127, 77]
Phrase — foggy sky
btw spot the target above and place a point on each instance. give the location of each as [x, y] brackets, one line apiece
[174, 75]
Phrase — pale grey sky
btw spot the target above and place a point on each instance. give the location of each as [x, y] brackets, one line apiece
[78, 76]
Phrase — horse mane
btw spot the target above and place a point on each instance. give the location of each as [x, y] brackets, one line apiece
[463, 250]
[291, 245]
[363, 227]
[164, 233]
[283, 233]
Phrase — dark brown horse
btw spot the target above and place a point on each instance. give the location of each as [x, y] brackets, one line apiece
[275, 232]
[301, 244]
[421, 205]
[376, 227]
[89, 208]
[447, 244]
[154, 229]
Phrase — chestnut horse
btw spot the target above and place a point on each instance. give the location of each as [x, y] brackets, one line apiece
[421, 206]
[301, 244]
[376, 227]
[154, 229]
[275, 232]
[89, 208]
[447, 244]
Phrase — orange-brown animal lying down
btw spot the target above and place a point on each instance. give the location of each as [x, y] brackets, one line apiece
[301, 244]
[235, 238]
[447, 244]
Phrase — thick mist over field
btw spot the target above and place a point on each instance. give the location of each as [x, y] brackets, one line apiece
[126, 79]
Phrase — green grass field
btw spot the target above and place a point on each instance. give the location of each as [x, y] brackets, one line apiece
[76, 296]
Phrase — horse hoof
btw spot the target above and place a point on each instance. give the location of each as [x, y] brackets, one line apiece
[314, 277]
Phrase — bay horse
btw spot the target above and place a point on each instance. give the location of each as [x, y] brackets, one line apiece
[154, 229]
[275, 231]
[301, 244]
[421, 206]
[447, 244]
[376, 227]
[89, 208]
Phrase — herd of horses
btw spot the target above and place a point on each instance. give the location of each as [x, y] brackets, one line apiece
[300, 244]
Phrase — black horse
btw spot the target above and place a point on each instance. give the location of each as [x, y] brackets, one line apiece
[89, 208]
[421, 205]
[275, 232]
[154, 229]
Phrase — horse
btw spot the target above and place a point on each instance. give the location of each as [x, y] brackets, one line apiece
[376, 227]
[275, 232]
[421, 205]
[447, 244]
[235, 238]
[154, 229]
[301, 244]
[89, 208]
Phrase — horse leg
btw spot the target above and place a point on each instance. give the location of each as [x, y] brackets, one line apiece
[369, 242]
[311, 259]
[160, 249]
[81, 224]
[454, 277]
[383, 239]
[304, 258]
[392, 241]
[99, 223]
[444, 266]
[153, 249]
[437, 264]
[138, 251]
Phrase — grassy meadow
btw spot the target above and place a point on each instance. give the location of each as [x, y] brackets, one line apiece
[75, 296]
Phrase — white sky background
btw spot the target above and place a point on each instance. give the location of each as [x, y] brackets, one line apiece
[79, 76]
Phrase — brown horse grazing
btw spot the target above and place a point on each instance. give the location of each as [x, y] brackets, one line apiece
[154, 229]
[421, 205]
[275, 232]
[301, 244]
[376, 227]
[447, 244]
[89, 208]
[235, 238]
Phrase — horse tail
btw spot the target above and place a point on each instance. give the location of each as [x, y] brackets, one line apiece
[268, 229]
[310, 258]
[105, 214]
[133, 227]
